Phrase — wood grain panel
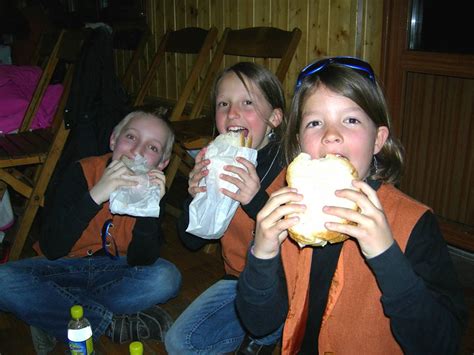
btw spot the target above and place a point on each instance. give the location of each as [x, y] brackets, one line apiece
[330, 27]
[279, 14]
[340, 32]
[297, 17]
[371, 36]
[437, 127]
[158, 31]
[178, 65]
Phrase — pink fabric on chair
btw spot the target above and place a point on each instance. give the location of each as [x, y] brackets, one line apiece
[17, 85]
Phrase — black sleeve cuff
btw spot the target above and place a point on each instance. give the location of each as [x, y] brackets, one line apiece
[147, 226]
[260, 273]
[394, 273]
[189, 240]
[144, 248]
[86, 209]
[257, 203]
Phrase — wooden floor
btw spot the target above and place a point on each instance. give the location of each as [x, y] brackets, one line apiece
[199, 271]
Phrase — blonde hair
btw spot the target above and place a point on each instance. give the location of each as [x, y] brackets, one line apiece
[148, 113]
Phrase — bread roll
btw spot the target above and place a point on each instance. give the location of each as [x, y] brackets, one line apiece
[139, 165]
[317, 180]
[236, 139]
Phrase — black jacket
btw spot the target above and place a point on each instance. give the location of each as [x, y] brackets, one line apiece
[96, 103]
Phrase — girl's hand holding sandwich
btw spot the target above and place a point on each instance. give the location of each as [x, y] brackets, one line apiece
[199, 171]
[273, 221]
[370, 226]
[248, 182]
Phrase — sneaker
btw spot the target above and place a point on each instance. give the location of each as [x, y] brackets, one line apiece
[42, 341]
[152, 323]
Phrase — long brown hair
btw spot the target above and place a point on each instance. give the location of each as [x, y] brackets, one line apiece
[365, 93]
[263, 79]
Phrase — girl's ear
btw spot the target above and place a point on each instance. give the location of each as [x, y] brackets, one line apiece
[161, 166]
[112, 141]
[277, 117]
[380, 138]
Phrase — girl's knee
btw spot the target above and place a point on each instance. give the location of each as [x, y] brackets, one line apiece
[165, 277]
[175, 340]
[168, 274]
[8, 275]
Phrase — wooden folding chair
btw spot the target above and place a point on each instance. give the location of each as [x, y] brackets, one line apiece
[38, 148]
[45, 57]
[130, 36]
[186, 41]
[196, 42]
[265, 43]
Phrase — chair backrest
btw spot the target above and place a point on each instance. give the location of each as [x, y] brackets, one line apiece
[190, 40]
[54, 47]
[130, 36]
[68, 54]
[46, 57]
[267, 44]
[264, 43]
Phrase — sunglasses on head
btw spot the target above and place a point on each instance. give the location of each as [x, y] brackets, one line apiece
[349, 62]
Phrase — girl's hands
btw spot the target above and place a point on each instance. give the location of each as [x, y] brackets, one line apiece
[247, 182]
[157, 177]
[199, 171]
[273, 222]
[114, 176]
[371, 230]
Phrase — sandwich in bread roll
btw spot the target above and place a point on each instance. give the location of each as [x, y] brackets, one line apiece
[138, 165]
[317, 180]
[236, 139]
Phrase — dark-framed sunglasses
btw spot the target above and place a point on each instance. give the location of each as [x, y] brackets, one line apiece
[349, 62]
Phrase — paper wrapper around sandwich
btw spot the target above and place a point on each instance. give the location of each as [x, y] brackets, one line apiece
[317, 180]
[211, 212]
[142, 200]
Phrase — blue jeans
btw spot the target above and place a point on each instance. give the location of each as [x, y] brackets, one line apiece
[210, 324]
[41, 292]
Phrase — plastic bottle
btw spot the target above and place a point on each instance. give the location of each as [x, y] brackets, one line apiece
[79, 333]
[136, 348]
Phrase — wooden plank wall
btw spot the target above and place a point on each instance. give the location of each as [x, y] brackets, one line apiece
[438, 127]
[330, 27]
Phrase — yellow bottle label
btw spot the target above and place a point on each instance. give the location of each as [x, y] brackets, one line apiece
[89, 346]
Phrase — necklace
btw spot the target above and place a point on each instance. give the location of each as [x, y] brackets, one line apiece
[271, 165]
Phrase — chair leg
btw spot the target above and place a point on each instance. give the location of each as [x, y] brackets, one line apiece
[173, 211]
[24, 226]
[211, 248]
[172, 169]
[3, 188]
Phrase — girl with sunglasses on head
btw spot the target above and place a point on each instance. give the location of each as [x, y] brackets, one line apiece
[391, 287]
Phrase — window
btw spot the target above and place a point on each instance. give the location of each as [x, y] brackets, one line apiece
[441, 26]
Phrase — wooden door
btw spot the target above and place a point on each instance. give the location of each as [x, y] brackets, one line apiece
[431, 99]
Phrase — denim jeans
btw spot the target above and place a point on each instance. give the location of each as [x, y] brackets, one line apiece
[41, 292]
[210, 324]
